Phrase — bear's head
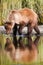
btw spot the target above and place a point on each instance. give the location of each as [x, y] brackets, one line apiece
[9, 22]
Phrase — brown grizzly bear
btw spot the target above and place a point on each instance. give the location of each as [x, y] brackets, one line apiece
[24, 17]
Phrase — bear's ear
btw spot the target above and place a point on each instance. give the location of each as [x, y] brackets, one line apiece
[13, 11]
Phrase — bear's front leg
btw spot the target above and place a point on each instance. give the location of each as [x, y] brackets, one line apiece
[14, 35]
[29, 29]
[15, 30]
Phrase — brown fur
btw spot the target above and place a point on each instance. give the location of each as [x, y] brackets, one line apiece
[23, 17]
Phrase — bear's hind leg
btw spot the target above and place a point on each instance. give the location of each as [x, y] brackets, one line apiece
[36, 29]
[20, 29]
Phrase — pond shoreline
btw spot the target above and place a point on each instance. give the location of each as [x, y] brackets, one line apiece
[2, 30]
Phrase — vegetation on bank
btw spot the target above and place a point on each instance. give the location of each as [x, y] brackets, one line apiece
[7, 5]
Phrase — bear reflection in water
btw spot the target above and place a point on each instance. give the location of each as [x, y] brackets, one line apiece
[25, 52]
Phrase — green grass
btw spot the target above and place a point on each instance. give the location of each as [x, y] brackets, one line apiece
[4, 60]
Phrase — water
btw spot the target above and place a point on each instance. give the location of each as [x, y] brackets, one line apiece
[29, 49]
